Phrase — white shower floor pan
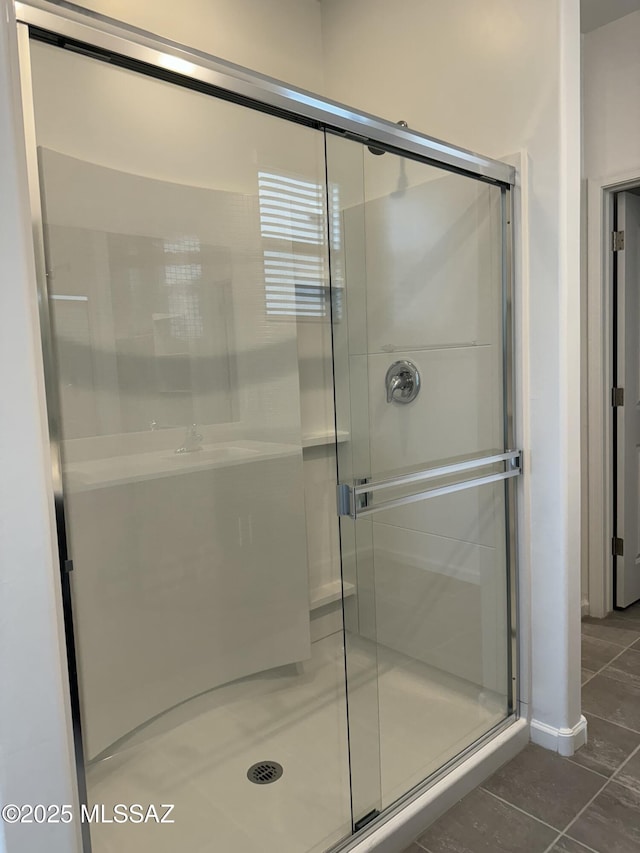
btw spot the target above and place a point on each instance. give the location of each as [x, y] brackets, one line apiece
[197, 757]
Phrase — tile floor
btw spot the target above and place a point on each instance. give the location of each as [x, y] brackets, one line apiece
[542, 803]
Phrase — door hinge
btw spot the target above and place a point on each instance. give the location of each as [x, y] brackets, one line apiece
[617, 397]
[617, 241]
[68, 566]
[617, 546]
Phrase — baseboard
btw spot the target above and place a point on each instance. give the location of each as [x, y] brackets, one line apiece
[563, 741]
[404, 826]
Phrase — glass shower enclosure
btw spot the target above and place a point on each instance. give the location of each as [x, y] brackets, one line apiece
[278, 356]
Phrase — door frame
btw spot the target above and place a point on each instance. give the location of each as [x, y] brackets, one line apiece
[193, 69]
[599, 474]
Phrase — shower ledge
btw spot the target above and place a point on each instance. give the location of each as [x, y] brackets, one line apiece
[137, 467]
[330, 592]
[326, 436]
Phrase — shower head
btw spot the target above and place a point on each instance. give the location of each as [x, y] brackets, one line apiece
[379, 151]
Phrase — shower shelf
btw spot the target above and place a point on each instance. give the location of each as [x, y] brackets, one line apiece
[316, 439]
[329, 592]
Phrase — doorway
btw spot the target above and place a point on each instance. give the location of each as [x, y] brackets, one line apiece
[626, 382]
[610, 575]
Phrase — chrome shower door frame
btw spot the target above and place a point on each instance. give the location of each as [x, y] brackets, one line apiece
[72, 27]
[174, 61]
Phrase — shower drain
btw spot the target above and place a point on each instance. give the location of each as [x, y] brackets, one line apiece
[264, 772]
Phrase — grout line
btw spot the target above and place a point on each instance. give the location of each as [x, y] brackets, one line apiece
[607, 779]
[586, 846]
[590, 769]
[613, 642]
[582, 810]
[564, 831]
[511, 806]
[522, 811]
[602, 668]
[562, 835]
[553, 843]
[630, 649]
[605, 720]
[619, 616]
[416, 841]
[597, 794]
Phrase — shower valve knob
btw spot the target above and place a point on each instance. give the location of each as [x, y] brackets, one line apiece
[402, 382]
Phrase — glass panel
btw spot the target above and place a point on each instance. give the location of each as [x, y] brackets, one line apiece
[187, 266]
[420, 260]
[423, 261]
[438, 571]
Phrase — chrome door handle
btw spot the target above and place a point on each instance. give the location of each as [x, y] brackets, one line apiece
[402, 382]
[355, 501]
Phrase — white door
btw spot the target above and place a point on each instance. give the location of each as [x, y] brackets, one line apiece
[627, 416]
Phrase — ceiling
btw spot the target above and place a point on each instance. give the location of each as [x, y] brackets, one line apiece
[597, 13]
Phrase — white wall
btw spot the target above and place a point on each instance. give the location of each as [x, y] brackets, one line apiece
[471, 73]
[280, 38]
[611, 102]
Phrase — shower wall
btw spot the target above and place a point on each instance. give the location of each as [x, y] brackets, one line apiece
[317, 51]
[142, 558]
[217, 183]
[403, 251]
[429, 251]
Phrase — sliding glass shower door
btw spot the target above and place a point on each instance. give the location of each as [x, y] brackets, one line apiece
[186, 254]
[244, 315]
[421, 391]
